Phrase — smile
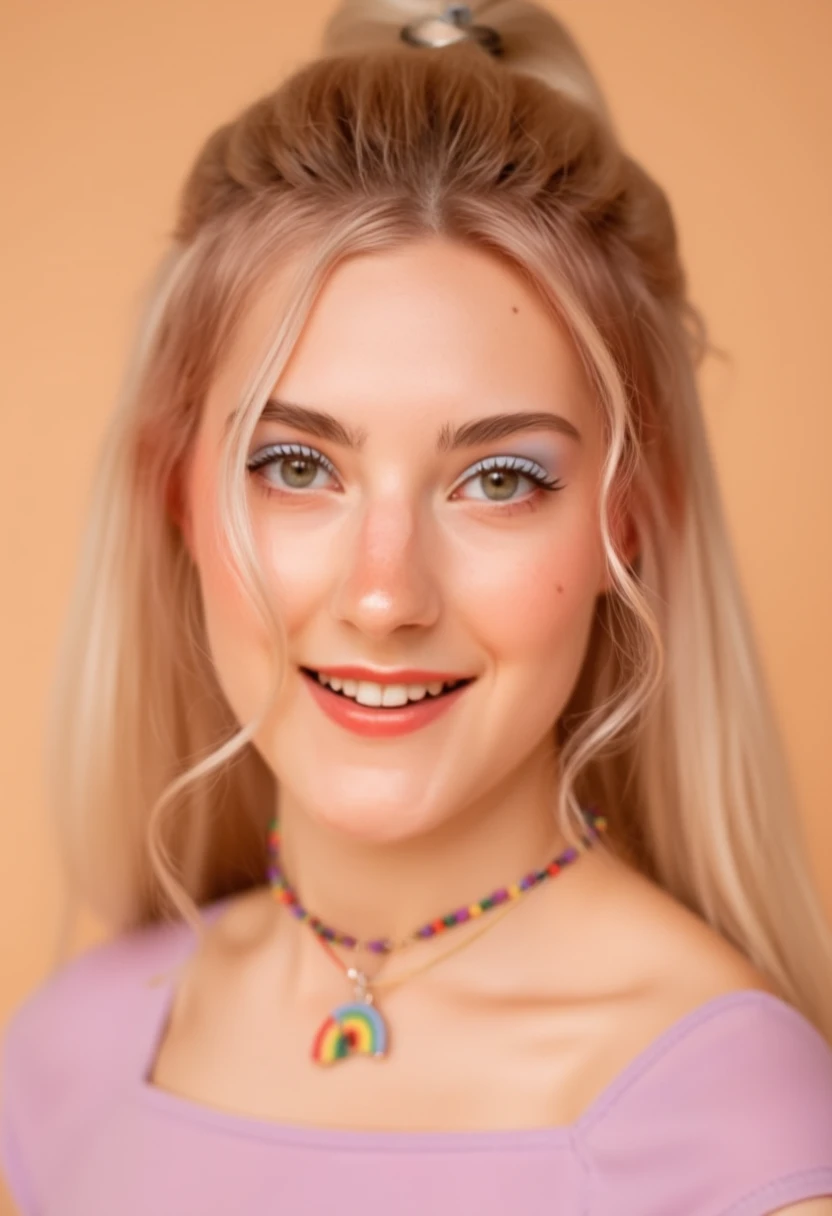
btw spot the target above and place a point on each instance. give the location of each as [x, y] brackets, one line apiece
[382, 710]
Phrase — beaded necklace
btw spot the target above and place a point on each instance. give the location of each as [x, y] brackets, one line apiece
[357, 1027]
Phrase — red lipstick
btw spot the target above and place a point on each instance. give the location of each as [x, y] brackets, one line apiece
[380, 722]
[399, 675]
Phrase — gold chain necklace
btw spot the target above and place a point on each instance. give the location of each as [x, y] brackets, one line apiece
[357, 1027]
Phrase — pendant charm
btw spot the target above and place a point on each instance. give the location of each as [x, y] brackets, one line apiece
[354, 1029]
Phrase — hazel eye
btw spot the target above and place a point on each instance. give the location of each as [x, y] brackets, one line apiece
[504, 473]
[296, 470]
[298, 466]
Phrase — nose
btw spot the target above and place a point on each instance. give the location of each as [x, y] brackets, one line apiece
[387, 577]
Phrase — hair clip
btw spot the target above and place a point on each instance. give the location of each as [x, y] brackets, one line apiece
[454, 24]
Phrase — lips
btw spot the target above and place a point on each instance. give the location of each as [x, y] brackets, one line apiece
[429, 696]
[381, 721]
[404, 675]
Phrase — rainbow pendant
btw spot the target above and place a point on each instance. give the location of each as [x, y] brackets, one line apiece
[354, 1029]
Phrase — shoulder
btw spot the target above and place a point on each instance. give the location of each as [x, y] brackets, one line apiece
[655, 943]
[720, 1101]
[75, 1038]
[90, 1000]
[84, 1017]
[724, 1104]
[730, 1106]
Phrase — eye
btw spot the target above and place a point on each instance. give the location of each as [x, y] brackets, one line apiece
[297, 467]
[503, 473]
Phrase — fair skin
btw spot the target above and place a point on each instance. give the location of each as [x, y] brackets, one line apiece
[399, 555]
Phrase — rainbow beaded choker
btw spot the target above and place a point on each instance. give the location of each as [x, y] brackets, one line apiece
[357, 1027]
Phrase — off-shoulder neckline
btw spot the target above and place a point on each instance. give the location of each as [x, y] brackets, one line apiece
[364, 1140]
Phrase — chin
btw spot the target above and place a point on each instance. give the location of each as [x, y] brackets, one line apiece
[379, 825]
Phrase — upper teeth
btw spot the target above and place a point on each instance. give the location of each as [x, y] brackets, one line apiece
[366, 692]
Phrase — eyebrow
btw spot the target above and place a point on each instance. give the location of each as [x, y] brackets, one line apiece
[449, 438]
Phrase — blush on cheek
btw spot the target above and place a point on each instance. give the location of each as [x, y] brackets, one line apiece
[544, 615]
[243, 662]
[534, 583]
[237, 638]
[558, 618]
[540, 611]
[224, 594]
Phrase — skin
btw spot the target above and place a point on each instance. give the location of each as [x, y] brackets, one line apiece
[394, 563]
[404, 558]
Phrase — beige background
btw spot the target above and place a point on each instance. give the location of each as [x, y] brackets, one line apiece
[728, 102]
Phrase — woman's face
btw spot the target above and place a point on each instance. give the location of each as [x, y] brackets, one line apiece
[400, 549]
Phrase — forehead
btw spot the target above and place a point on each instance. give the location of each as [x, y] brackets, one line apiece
[434, 325]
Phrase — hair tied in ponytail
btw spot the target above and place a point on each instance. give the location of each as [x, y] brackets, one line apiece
[454, 24]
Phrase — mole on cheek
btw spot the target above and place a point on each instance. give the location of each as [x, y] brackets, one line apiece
[560, 589]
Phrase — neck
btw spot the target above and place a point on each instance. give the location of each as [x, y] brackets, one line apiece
[389, 889]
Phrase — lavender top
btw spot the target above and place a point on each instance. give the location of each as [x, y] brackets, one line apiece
[727, 1113]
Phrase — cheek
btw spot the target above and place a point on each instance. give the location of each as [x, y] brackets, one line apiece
[531, 607]
[293, 567]
[526, 596]
[533, 598]
[237, 638]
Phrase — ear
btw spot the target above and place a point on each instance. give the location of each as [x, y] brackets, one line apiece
[177, 507]
[625, 538]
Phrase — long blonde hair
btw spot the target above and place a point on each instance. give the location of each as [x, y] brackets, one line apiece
[160, 799]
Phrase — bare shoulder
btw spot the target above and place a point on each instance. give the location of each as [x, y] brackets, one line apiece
[642, 963]
[228, 938]
[648, 962]
[246, 917]
[673, 952]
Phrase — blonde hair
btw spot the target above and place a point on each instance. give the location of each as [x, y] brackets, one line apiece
[160, 799]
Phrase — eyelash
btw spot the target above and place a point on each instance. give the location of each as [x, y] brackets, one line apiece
[519, 464]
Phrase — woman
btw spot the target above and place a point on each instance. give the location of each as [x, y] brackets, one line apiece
[408, 666]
